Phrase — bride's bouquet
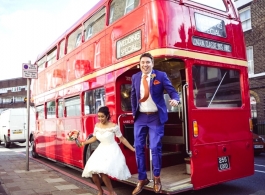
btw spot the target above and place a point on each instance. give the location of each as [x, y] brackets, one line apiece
[73, 136]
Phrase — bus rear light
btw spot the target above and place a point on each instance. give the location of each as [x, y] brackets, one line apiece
[195, 129]
[250, 124]
[8, 132]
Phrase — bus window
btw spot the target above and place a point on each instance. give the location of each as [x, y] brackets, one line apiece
[40, 112]
[119, 8]
[61, 49]
[78, 40]
[50, 109]
[126, 97]
[93, 100]
[217, 4]
[72, 39]
[60, 108]
[216, 87]
[72, 106]
[41, 64]
[100, 98]
[51, 57]
[95, 24]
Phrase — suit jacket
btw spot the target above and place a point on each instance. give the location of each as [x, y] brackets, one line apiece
[157, 86]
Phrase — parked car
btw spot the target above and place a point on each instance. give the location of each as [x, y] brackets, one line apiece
[258, 144]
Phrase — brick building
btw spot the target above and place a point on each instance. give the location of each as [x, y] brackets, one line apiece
[13, 93]
[252, 15]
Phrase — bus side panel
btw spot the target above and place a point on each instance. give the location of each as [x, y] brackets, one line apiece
[40, 138]
[50, 133]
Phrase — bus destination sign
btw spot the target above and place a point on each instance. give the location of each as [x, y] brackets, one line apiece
[129, 44]
[211, 44]
[210, 25]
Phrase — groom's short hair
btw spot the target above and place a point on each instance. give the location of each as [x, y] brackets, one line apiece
[147, 55]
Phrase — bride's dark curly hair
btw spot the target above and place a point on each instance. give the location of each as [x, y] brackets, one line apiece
[105, 111]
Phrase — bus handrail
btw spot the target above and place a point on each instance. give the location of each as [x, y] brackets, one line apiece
[123, 115]
[185, 119]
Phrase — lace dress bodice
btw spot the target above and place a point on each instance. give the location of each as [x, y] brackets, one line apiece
[107, 135]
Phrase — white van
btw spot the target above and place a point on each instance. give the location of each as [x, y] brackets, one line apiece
[13, 125]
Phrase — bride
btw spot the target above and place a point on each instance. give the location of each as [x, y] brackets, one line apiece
[107, 160]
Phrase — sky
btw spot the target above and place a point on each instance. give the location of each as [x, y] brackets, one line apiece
[28, 27]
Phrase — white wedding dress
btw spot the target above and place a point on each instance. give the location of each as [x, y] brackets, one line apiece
[108, 157]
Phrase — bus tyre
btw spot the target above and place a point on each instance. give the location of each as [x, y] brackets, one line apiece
[34, 154]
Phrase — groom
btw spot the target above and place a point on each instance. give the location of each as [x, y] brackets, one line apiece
[150, 114]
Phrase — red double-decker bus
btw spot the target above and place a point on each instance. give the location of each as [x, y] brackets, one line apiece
[198, 43]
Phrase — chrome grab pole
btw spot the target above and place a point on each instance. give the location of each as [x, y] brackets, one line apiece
[186, 119]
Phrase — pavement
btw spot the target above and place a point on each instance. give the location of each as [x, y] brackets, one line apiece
[41, 179]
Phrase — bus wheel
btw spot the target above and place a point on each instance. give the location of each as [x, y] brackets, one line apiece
[34, 154]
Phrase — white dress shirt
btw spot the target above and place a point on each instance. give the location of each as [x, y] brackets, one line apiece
[149, 105]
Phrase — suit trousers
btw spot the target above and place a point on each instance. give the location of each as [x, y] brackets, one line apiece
[148, 124]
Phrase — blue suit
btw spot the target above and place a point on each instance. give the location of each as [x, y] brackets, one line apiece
[153, 124]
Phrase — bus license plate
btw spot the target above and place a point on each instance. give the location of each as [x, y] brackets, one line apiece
[258, 146]
[223, 163]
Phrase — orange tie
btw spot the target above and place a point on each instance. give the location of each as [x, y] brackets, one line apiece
[146, 89]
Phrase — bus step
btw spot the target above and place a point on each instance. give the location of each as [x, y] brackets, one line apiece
[171, 158]
[173, 147]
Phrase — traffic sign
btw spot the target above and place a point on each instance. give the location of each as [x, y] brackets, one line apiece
[29, 71]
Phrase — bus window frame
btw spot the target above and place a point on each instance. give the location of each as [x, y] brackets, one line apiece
[124, 13]
[214, 80]
[94, 19]
[73, 33]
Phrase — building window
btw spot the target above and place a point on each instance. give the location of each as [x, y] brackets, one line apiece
[73, 39]
[129, 6]
[250, 59]
[253, 104]
[119, 8]
[95, 23]
[245, 17]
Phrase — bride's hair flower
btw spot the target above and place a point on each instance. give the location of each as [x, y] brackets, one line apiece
[153, 76]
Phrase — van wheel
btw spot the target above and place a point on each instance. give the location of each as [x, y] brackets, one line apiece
[34, 154]
[7, 144]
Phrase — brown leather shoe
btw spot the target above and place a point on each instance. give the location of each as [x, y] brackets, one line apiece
[157, 185]
[140, 185]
